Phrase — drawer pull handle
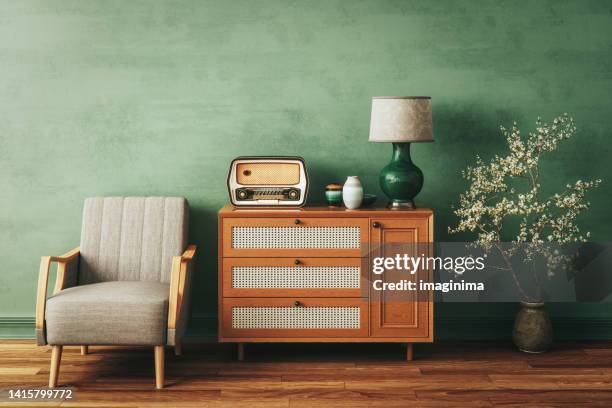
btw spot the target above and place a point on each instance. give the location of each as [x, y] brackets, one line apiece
[376, 224]
[297, 303]
[297, 262]
[297, 222]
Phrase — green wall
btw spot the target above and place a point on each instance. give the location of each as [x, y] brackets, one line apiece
[155, 98]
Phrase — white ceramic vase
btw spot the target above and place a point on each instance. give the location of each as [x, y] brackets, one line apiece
[352, 193]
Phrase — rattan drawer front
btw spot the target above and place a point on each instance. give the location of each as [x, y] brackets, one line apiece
[301, 277]
[259, 237]
[295, 238]
[290, 317]
[295, 277]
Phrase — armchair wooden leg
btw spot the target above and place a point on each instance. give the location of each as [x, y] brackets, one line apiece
[84, 350]
[159, 367]
[178, 350]
[56, 357]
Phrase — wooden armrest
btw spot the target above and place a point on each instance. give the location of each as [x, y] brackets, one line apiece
[43, 280]
[189, 253]
[178, 281]
[68, 256]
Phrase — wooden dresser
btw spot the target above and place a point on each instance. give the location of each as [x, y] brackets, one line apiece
[302, 275]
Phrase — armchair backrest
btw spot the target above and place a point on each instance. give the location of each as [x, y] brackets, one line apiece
[131, 238]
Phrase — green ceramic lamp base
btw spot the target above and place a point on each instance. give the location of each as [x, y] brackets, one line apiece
[401, 205]
[401, 180]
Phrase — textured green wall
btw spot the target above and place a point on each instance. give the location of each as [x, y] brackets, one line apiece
[155, 98]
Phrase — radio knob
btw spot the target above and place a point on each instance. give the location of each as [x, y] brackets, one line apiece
[297, 222]
[242, 194]
[297, 262]
[376, 224]
[297, 303]
[293, 194]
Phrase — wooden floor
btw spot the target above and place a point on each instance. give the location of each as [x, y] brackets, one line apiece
[442, 374]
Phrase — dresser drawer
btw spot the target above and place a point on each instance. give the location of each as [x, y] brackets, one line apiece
[295, 237]
[295, 277]
[294, 317]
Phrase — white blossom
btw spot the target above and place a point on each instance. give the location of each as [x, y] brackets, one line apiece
[494, 197]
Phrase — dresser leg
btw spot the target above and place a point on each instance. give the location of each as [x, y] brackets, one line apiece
[240, 351]
[409, 352]
[159, 352]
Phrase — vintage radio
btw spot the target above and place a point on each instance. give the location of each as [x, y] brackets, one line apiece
[268, 181]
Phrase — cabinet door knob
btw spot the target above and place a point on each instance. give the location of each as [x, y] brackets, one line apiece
[297, 303]
[297, 222]
[376, 224]
[297, 262]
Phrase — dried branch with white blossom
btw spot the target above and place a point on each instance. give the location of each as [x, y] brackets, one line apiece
[495, 197]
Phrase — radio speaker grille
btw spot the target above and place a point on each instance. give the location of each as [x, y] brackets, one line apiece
[296, 238]
[295, 277]
[317, 317]
[267, 174]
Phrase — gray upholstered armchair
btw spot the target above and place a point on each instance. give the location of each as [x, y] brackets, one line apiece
[127, 284]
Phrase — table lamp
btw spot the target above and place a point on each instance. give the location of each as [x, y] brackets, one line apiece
[401, 120]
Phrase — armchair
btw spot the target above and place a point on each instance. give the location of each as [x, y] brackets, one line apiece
[127, 284]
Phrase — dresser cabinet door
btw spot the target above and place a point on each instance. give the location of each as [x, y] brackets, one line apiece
[400, 313]
[295, 237]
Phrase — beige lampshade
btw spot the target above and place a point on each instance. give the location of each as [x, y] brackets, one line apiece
[401, 119]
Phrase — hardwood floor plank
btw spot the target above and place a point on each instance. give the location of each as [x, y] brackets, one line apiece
[354, 373]
[173, 398]
[13, 371]
[550, 381]
[575, 397]
[442, 375]
[31, 405]
[438, 382]
[390, 401]
[473, 367]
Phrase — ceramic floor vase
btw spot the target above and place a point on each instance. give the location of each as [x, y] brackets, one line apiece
[533, 331]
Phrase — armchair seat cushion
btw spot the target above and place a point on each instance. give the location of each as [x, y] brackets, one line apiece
[119, 312]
